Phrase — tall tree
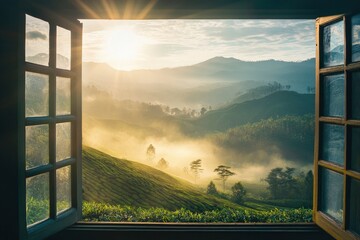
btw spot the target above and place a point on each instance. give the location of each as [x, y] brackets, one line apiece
[211, 189]
[224, 173]
[150, 153]
[238, 193]
[195, 168]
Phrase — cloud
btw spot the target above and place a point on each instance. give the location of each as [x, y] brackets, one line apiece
[35, 35]
[170, 43]
[163, 50]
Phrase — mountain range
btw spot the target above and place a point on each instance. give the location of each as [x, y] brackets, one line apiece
[216, 81]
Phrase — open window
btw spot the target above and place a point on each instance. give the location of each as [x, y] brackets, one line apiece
[337, 137]
[51, 131]
[46, 167]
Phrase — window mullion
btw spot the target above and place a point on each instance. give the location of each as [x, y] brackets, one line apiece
[76, 110]
[346, 75]
[52, 114]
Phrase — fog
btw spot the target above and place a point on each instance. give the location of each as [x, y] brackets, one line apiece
[127, 136]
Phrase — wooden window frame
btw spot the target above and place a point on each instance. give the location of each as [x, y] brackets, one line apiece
[56, 221]
[320, 218]
[12, 69]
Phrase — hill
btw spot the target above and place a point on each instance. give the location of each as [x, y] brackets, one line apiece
[278, 104]
[117, 181]
[280, 136]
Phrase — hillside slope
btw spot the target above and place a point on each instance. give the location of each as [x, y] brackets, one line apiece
[116, 181]
[275, 105]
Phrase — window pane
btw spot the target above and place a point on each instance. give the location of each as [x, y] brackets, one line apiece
[63, 141]
[333, 95]
[63, 188]
[355, 32]
[355, 96]
[333, 42]
[37, 146]
[354, 224]
[63, 48]
[332, 143]
[63, 96]
[354, 152]
[37, 198]
[331, 194]
[37, 41]
[36, 95]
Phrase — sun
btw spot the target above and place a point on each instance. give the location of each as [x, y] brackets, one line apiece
[121, 45]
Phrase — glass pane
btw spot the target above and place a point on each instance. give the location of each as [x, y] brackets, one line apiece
[355, 96]
[354, 152]
[332, 143]
[333, 42]
[354, 224]
[36, 95]
[355, 32]
[37, 198]
[63, 96]
[63, 48]
[333, 95]
[63, 141]
[331, 194]
[63, 188]
[37, 146]
[37, 41]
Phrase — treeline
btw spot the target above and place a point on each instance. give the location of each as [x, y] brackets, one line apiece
[269, 88]
[290, 183]
[294, 135]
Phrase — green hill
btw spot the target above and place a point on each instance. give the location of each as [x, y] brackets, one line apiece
[107, 179]
[278, 104]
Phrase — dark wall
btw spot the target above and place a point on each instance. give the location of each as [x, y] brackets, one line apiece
[150, 9]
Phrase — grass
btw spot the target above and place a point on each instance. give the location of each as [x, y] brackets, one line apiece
[120, 190]
[110, 180]
[95, 212]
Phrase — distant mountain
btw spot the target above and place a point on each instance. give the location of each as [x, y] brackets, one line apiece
[260, 92]
[117, 181]
[277, 104]
[43, 59]
[355, 52]
[214, 82]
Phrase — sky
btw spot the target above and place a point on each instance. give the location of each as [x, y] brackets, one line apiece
[154, 44]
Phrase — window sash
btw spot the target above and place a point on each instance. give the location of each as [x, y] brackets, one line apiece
[336, 229]
[57, 221]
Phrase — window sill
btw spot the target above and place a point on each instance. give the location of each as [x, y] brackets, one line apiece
[188, 231]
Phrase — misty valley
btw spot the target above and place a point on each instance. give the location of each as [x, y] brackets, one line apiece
[219, 141]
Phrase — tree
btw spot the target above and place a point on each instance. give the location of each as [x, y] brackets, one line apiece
[224, 173]
[195, 168]
[308, 186]
[202, 111]
[282, 183]
[150, 153]
[238, 193]
[211, 189]
[162, 164]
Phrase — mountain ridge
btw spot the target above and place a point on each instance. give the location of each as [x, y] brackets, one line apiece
[280, 103]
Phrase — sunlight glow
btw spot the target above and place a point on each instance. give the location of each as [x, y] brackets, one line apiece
[121, 45]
